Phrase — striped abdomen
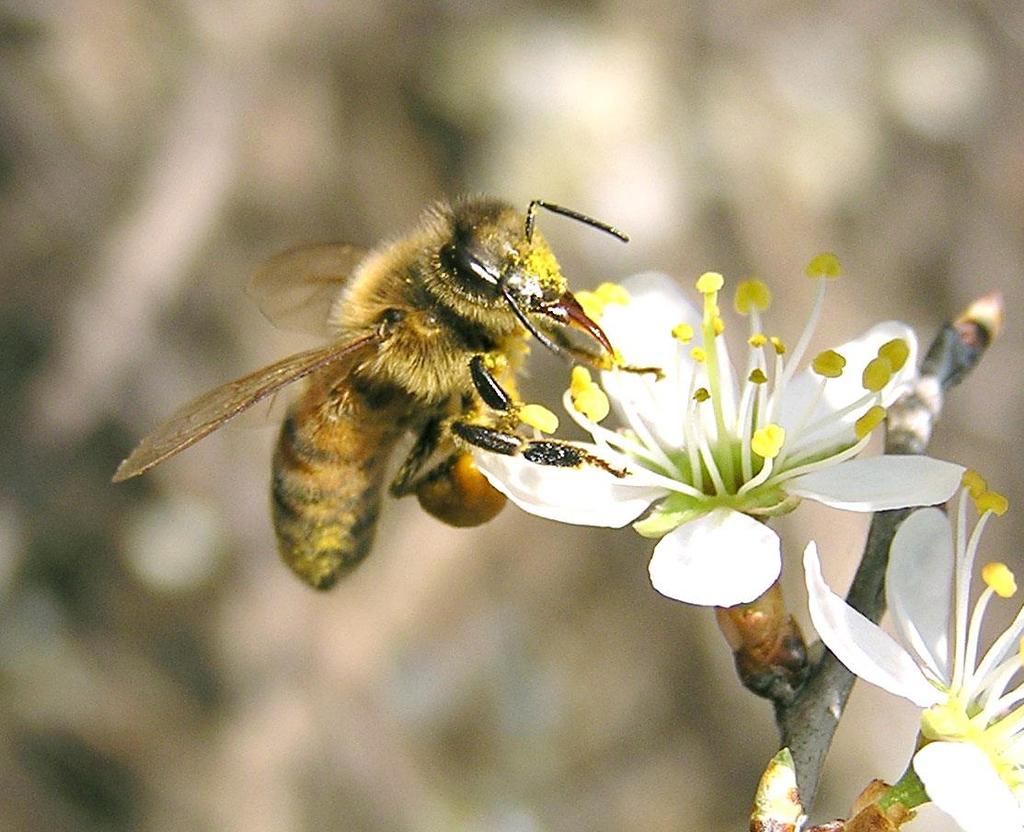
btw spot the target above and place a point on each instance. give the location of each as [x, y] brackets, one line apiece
[328, 470]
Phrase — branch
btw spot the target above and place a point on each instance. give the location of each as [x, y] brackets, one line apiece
[808, 723]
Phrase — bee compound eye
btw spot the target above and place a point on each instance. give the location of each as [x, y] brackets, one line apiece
[459, 261]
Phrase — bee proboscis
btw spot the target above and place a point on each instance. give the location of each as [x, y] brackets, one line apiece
[428, 334]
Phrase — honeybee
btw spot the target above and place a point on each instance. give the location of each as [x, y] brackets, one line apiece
[429, 333]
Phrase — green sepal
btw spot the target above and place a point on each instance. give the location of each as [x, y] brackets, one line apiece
[670, 514]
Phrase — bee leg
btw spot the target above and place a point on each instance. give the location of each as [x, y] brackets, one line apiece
[493, 394]
[457, 493]
[405, 481]
[539, 451]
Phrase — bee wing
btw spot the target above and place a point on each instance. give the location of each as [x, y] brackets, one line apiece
[209, 411]
[296, 288]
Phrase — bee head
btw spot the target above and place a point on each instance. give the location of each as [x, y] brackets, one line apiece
[498, 261]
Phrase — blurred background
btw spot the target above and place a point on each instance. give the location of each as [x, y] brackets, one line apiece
[160, 669]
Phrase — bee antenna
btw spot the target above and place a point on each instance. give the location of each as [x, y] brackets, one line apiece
[531, 213]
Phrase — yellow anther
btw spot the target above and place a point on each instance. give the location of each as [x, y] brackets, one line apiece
[592, 403]
[999, 578]
[992, 501]
[701, 394]
[825, 264]
[538, 416]
[709, 283]
[718, 325]
[828, 364]
[683, 333]
[778, 345]
[877, 374]
[757, 376]
[579, 380]
[757, 340]
[618, 359]
[612, 293]
[593, 306]
[874, 416]
[767, 441]
[699, 354]
[974, 483]
[896, 352]
[752, 294]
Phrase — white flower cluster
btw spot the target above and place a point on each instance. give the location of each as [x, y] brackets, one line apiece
[711, 455]
[972, 724]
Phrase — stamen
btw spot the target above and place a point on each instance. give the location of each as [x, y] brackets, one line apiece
[699, 354]
[962, 568]
[643, 433]
[835, 417]
[751, 294]
[825, 264]
[971, 667]
[757, 340]
[869, 421]
[709, 458]
[974, 632]
[767, 441]
[690, 431]
[812, 324]
[974, 483]
[778, 344]
[592, 403]
[992, 501]
[877, 374]
[813, 452]
[718, 325]
[625, 442]
[896, 352]
[757, 376]
[999, 579]
[697, 443]
[1000, 646]
[539, 417]
[683, 333]
[709, 283]
[745, 421]
[579, 379]
[829, 364]
[997, 698]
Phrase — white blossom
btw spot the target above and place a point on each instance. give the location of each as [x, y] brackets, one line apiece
[972, 722]
[710, 455]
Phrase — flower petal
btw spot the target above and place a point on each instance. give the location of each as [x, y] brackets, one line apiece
[879, 483]
[587, 496]
[919, 586]
[802, 390]
[862, 646]
[721, 559]
[642, 331]
[961, 780]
